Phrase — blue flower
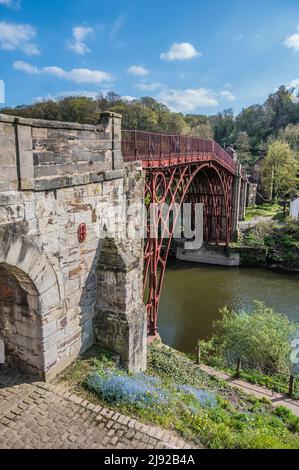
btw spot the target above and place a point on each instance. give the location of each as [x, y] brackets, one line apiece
[202, 396]
[139, 389]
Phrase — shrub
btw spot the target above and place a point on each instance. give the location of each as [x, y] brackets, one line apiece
[292, 227]
[255, 236]
[260, 339]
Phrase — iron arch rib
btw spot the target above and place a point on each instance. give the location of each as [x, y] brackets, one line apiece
[179, 169]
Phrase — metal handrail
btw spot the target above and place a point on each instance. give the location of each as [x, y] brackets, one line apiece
[155, 147]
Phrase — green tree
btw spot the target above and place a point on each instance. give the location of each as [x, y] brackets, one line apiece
[136, 116]
[79, 109]
[280, 170]
[261, 339]
[291, 135]
[281, 107]
[173, 123]
[199, 126]
[48, 109]
[223, 125]
[257, 124]
[242, 146]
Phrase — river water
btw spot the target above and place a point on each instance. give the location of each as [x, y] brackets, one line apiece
[192, 295]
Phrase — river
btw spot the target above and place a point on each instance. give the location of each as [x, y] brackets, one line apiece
[192, 295]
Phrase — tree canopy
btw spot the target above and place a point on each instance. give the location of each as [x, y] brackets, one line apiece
[280, 171]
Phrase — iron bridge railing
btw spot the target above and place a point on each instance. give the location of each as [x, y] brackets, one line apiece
[156, 150]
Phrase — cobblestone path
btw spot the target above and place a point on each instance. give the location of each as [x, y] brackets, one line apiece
[45, 416]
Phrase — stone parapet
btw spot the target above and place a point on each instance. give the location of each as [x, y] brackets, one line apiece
[40, 155]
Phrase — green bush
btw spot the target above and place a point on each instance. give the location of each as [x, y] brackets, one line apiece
[292, 227]
[260, 339]
[255, 237]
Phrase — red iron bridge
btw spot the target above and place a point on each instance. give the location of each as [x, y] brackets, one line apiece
[183, 169]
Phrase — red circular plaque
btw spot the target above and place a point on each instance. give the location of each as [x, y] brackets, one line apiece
[82, 233]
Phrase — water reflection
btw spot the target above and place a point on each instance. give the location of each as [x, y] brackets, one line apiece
[192, 295]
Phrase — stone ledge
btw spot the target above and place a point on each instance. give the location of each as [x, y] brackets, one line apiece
[111, 114]
[44, 184]
[47, 124]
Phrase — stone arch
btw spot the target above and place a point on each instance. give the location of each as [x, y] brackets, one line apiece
[20, 322]
[24, 255]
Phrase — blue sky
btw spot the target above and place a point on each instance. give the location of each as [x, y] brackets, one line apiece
[194, 55]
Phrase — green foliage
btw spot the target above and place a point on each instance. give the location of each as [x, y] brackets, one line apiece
[271, 244]
[289, 419]
[292, 227]
[280, 171]
[251, 130]
[242, 146]
[290, 135]
[257, 235]
[71, 109]
[260, 339]
[199, 126]
[79, 109]
[224, 127]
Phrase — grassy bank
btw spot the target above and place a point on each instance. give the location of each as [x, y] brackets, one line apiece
[273, 211]
[176, 394]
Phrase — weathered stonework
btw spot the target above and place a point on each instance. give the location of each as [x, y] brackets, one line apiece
[68, 295]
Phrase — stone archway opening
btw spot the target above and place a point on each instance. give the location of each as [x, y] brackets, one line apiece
[20, 322]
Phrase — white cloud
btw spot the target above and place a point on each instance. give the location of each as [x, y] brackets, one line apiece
[10, 3]
[189, 100]
[25, 67]
[182, 51]
[75, 75]
[227, 95]
[294, 83]
[64, 94]
[149, 86]
[18, 36]
[78, 44]
[138, 70]
[292, 42]
[294, 87]
[128, 98]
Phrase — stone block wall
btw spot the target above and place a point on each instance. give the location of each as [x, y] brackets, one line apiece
[55, 176]
[41, 155]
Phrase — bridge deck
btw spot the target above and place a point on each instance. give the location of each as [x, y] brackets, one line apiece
[161, 150]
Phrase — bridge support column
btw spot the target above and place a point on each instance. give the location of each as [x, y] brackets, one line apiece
[120, 319]
[236, 201]
[243, 197]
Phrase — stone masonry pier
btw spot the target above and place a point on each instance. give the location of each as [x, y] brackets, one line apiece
[62, 286]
